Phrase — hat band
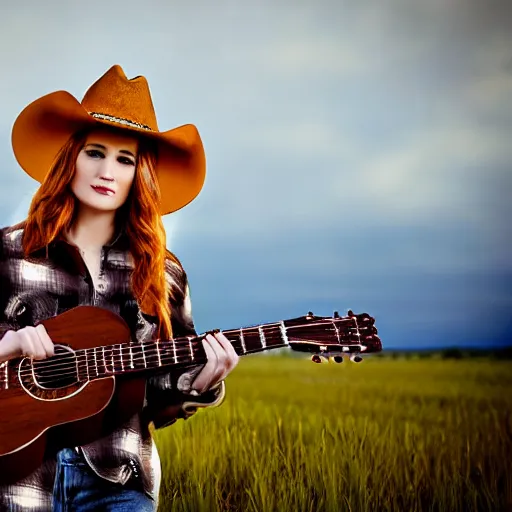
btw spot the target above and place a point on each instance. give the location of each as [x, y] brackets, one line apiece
[119, 120]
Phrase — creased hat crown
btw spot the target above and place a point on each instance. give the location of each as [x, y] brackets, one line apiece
[116, 96]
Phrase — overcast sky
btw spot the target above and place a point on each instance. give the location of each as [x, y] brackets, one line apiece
[359, 153]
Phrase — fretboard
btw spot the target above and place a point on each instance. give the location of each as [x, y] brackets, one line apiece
[100, 362]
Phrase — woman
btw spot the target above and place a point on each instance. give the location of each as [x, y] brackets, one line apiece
[94, 235]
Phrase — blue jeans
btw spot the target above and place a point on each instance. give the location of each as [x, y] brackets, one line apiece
[78, 488]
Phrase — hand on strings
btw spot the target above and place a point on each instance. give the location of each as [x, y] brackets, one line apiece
[33, 342]
[222, 359]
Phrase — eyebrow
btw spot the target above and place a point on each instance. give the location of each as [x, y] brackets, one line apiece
[101, 146]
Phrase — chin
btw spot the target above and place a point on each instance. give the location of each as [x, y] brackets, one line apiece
[100, 206]
[93, 201]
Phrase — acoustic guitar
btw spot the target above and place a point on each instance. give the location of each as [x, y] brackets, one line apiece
[96, 380]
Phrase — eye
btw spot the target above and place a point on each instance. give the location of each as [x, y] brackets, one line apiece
[125, 161]
[94, 153]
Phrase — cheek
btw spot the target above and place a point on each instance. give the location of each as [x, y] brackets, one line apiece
[126, 179]
[82, 171]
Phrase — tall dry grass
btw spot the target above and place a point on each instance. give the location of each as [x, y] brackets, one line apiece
[427, 435]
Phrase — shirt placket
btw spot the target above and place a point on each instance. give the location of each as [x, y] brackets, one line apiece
[92, 295]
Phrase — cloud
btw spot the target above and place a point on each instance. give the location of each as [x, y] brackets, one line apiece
[437, 174]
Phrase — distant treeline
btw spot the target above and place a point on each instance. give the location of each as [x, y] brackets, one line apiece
[437, 353]
[449, 353]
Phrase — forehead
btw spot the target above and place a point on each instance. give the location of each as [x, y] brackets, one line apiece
[112, 139]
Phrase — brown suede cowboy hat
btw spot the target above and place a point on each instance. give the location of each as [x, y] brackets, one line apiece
[44, 126]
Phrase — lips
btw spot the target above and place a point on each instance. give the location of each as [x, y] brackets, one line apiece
[103, 190]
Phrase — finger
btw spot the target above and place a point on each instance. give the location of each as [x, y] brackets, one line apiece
[39, 350]
[26, 344]
[203, 379]
[212, 353]
[228, 347]
[223, 365]
[220, 351]
[45, 340]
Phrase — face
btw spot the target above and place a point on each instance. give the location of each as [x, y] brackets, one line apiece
[105, 169]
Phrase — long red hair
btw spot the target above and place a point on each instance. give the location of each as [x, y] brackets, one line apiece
[53, 210]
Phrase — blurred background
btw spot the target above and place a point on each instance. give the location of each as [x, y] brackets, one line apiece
[359, 153]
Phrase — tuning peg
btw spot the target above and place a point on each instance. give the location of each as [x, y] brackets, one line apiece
[316, 358]
[338, 359]
[336, 315]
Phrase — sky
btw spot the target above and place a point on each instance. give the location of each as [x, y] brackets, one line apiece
[359, 153]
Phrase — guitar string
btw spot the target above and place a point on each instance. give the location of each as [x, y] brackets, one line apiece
[87, 369]
[70, 360]
[82, 377]
[78, 355]
[147, 348]
[197, 339]
[153, 349]
[141, 354]
[165, 359]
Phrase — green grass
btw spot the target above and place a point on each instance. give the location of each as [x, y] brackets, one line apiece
[427, 435]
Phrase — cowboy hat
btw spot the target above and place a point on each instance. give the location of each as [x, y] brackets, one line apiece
[44, 126]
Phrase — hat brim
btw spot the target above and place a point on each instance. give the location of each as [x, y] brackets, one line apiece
[44, 126]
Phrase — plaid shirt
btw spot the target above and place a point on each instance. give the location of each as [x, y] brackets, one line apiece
[57, 279]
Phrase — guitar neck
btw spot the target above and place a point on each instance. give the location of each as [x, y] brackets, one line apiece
[99, 362]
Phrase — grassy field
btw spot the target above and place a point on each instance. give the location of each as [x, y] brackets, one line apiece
[429, 435]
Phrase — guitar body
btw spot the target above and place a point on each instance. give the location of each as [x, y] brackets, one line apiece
[36, 422]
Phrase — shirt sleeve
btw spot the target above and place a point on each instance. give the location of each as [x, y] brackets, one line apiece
[169, 396]
[4, 290]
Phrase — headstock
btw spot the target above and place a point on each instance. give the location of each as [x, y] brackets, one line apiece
[333, 337]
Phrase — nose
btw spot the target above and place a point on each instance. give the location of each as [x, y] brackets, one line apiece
[105, 170]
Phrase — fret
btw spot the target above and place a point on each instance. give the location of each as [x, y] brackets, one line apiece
[157, 344]
[112, 359]
[151, 353]
[121, 360]
[191, 350]
[103, 358]
[143, 355]
[242, 341]
[131, 357]
[284, 336]
[86, 354]
[358, 334]
[118, 358]
[126, 356]
[100, 356]
[174, 351]
[95, 357]
[273, 337]
[107, 356]
[337, 331]
[263, 341]
[252, 339]
[138, 361]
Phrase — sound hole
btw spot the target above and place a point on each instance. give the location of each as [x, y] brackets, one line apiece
[58, 371]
